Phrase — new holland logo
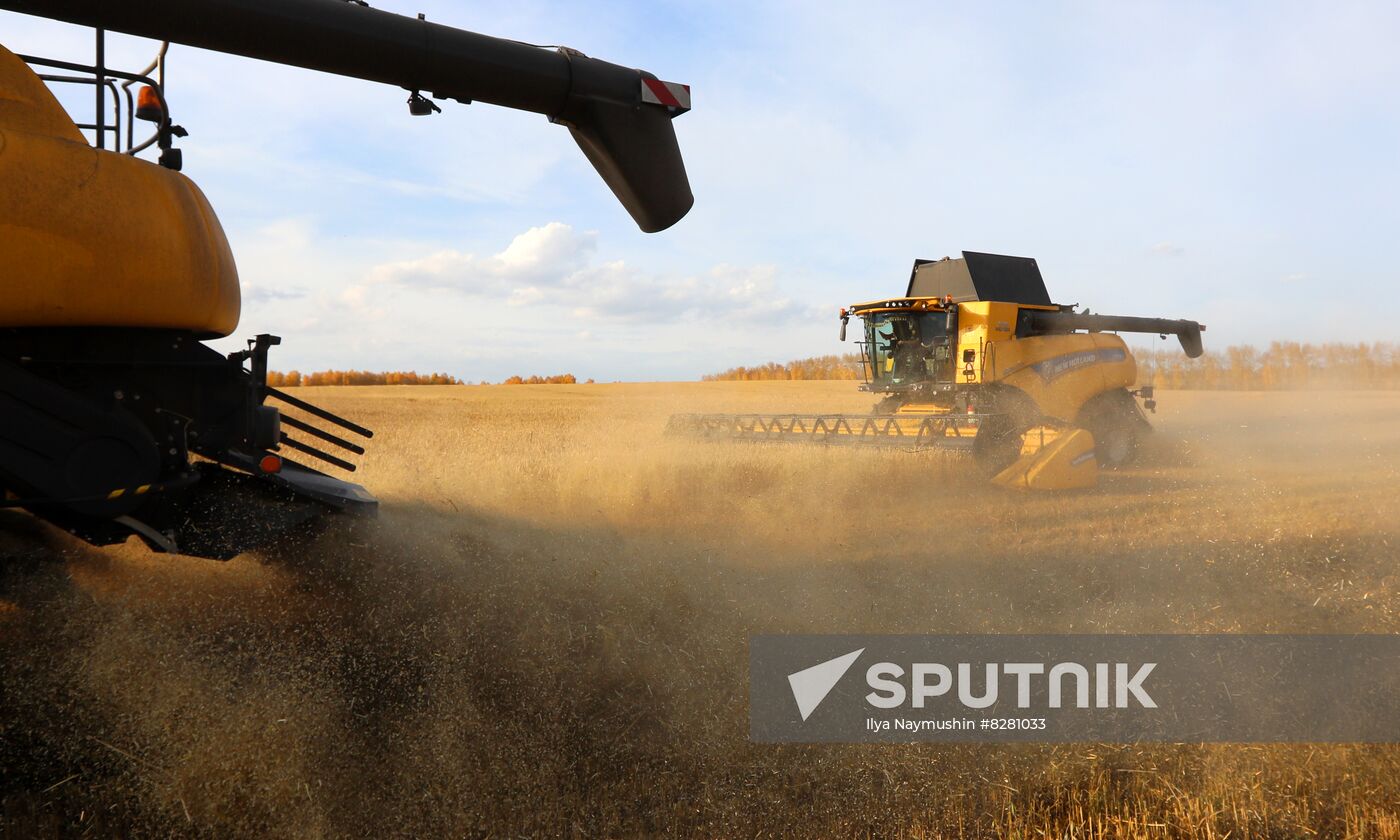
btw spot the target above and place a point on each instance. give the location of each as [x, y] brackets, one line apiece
[1054, 368]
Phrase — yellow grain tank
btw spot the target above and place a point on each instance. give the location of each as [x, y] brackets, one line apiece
[92, 238]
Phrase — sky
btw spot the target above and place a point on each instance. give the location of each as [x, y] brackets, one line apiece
[1233, 163]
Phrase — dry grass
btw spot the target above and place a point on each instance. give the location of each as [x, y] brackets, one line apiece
[545, 632]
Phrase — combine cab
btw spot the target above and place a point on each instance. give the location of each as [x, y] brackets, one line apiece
[975, 358]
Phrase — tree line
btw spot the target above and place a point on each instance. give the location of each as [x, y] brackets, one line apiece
[845, 366]
[1283, 365]
[559, 379]
[1280, 366]
[293, 378]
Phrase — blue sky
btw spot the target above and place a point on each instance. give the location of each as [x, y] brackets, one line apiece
[1234, 163]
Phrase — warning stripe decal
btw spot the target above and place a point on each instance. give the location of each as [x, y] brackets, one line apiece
[122, 491]
[670, 94]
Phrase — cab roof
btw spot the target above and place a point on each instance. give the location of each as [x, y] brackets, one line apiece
[905, 304]
[979, 276]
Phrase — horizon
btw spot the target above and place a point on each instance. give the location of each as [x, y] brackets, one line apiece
[1227, 359]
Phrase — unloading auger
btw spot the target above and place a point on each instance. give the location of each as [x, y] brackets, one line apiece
[975, 358]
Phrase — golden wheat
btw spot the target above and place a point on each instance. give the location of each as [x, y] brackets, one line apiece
[545, 631]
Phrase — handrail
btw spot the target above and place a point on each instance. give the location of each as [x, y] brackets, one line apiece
[106, 77]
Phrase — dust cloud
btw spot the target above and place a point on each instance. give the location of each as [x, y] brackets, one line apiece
[545, 631]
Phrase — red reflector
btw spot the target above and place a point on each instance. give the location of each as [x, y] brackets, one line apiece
[270, 464]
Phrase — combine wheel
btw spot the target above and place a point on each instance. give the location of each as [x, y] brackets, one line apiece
[999, 439]
[998, 443]
[1117, 425]
[1116, 444]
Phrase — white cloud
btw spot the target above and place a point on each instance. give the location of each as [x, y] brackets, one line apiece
[1168, 249]
[546, 251]
[553, 266]
[526, 296]
[255, 294]
[532, 304]
[541, 256]
[616, 290]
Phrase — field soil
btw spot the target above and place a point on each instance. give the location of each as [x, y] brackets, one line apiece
[545, 631]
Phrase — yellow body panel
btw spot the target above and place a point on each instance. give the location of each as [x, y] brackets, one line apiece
[982, 326]
[98, 239]
[1062, 372]
[27, 105]
[1052, 459]
[922, 408]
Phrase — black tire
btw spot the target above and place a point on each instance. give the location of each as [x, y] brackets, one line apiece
[1011, 412]
[1115, 445]
[998, 443]
[1117, 425]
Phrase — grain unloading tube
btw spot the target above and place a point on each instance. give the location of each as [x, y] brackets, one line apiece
[619, 116]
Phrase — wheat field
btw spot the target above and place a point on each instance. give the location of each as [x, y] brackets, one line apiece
[545, 630]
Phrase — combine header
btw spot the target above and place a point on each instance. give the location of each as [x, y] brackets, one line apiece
[976, 359]
[956, 432]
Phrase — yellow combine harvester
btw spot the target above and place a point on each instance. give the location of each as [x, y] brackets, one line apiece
[975, 357]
